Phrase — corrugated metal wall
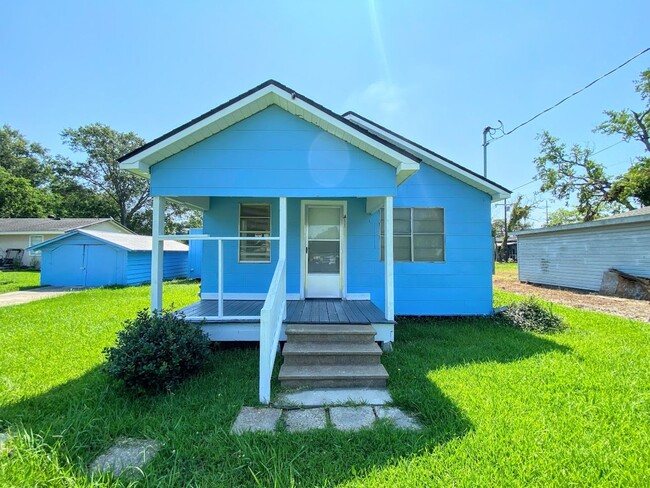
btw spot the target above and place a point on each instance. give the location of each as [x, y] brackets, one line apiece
[578, 258]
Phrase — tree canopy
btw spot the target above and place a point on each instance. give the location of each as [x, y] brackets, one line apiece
[99, 171]
[35, 184]
[568, 172]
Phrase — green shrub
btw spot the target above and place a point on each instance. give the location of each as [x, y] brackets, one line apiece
[532, 315]
[155, 352]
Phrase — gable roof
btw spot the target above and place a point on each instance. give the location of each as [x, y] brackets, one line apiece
[253, 101]
[31, 226]
[129, 242]
[432, 158]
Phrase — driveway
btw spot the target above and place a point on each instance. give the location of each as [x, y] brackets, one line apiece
[26, 296]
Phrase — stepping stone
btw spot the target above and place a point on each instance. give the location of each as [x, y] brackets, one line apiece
[331, 396]
[352, 418]
[256, 420]
[399, 418]
[303, 420]
[127, 456]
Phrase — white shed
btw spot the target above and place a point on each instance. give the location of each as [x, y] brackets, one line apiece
[577, 255]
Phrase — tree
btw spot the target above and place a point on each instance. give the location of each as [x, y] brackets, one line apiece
[563, 216]
[519, 213]
[566, 172]
[99, 172]
[18, 198]
[633, 125]
[22, 158]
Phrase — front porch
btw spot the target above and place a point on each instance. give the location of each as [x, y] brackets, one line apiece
[241, 318]
[310, 311]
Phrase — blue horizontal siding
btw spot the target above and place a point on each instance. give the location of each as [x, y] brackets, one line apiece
[273, 153]
[462, 285]
[139, 266]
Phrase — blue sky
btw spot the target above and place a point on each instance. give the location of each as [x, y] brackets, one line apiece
[436, 72]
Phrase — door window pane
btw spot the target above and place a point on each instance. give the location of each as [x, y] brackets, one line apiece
[324, 222]
[323, 257]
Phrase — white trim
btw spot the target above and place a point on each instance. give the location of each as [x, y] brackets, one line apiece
[389, 279]
[344, 242]
[384, 332]
[357, 296]
[248, 296]
[373, 204]
[432, 160]
[233, 332]
[250, 332]
[157, 252]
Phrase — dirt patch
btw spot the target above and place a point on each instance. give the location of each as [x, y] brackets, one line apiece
[506, 280]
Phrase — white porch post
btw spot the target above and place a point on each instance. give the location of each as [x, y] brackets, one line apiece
[158, 229]
[283, 240]
[389, 283]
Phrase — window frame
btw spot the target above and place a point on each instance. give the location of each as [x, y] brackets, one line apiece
[412, 234]
[35, 253]
[239, 232]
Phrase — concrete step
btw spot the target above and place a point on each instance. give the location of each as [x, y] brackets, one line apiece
[351, 333]
[333, 376]
[330, 353]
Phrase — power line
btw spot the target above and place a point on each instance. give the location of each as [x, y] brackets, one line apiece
[597, 152]
[572, 95]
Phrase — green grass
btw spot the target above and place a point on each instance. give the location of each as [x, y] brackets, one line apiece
[500, 407]
[19, 280]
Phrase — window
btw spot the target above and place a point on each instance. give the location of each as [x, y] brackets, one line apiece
[255, 221]
[33, 240]
[418, 234]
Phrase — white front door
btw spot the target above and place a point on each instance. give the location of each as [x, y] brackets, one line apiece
[324, 233]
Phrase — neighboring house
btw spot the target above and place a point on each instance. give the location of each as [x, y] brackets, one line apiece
[95, 258]
[511, 255]
[310, 217]
[577, 255]
[23, 233]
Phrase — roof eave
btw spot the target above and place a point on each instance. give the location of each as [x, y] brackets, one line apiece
[496, 191]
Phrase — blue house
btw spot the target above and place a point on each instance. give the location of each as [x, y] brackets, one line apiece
[85, 257]
[319, 223]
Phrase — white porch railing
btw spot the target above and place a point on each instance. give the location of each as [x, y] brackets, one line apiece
[272, 315]
[205, 237]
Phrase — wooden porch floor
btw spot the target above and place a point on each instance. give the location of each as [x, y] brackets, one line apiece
[311, 311]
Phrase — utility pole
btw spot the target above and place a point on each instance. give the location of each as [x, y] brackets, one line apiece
[489, 131]
[546, 212]
[506, 206]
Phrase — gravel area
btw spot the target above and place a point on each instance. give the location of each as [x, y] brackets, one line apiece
[506, 280]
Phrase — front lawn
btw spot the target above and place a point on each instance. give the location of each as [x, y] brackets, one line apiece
[500, 407]
[19, 280]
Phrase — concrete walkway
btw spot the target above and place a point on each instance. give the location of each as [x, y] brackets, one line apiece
[26, 296]
[348, 419]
